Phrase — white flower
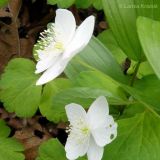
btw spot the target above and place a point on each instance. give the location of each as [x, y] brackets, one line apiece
[91, 131]
[60, 42]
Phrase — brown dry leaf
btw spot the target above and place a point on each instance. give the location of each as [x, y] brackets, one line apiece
[31, 137]
[9, 38]
[26, 46]
[30, 141]
[30, 132]
[3, 114]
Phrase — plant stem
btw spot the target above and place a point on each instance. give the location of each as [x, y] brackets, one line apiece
[135, 74]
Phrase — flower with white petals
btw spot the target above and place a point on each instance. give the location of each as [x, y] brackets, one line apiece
[91, 131]
[60, 43]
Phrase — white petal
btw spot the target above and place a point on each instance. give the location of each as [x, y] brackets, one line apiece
[100, 136]
[95, 152]
[47, 62]
[113, 132]
[81, 38]
[76, 147]
[65, 22]
[41, 54]
[105, 135]
[77, 142]
[52, 72]
[98, 112]
[110, 121]
[75, 112]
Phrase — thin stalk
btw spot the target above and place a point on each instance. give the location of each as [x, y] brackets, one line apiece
[135, 74]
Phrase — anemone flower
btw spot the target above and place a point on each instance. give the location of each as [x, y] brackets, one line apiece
[89, 132]
[60, 43]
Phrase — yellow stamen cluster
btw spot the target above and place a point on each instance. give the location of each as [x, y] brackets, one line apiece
[78, 131]
[46, 37]
[59, 45]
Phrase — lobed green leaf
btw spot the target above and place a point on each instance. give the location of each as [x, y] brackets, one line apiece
[19, 92]
[138, 138]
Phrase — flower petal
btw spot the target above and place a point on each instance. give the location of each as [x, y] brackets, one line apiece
[52, 72]
[110, 121]
[97, 113]
[100, 136]
[77, 142]
[65, 22]
[75, 112]
[95, 152]
[106, 134]
[76, 147]
[81, 38]
[47, 62]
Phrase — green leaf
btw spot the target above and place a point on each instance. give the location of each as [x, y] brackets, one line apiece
[146, 91]
[52, 2]
[97, 80]
[19, 92]
[138, 139]
[149, 34]
[132, 110]
[108, 39]
[10, 149]
[122, 15]
[98, 4]
[145, 69]
[83, 3]
[61, 92]
[53, 106]
[65, 4]
[95, 56]
[47, 103]
[3, 3]
[51, 150]
[82, 158]
[4, 130]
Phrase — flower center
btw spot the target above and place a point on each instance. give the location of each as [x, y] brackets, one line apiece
[79, 131]
[85, 130]
[50, 40]
[59, 45]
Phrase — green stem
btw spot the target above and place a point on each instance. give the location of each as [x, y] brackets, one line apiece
[135, 74]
